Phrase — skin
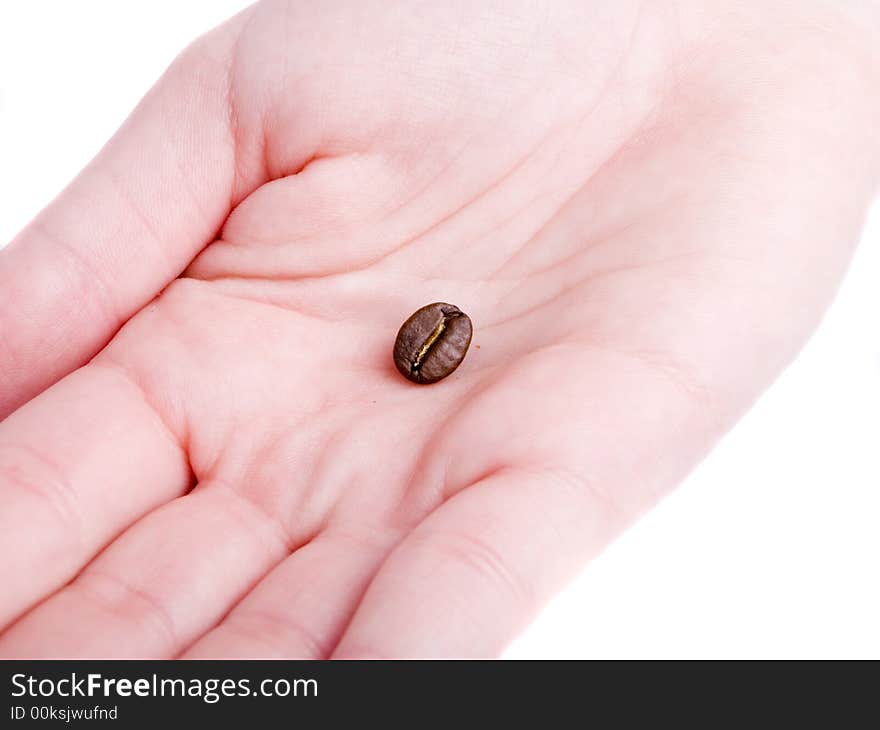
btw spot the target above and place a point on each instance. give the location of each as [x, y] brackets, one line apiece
[207, 451]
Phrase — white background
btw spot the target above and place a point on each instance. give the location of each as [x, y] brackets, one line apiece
[770, 549]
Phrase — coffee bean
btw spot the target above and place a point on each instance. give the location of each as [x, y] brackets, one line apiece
[432, 343]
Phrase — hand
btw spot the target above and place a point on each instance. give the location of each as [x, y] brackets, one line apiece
[644, 208]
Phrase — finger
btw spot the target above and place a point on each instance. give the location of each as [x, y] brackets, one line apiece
[473, 574]
[566, 472]
[300, 609]
[63, 493]
[128, 224]
[160, 585]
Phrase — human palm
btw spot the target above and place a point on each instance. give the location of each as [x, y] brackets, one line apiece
[627, 202]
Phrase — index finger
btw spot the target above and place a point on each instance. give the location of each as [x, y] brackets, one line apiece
[125, 227]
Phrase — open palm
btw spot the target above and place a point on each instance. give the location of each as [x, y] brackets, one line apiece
[644, 210]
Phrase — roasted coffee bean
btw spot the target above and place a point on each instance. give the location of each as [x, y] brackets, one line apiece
[432, 343]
